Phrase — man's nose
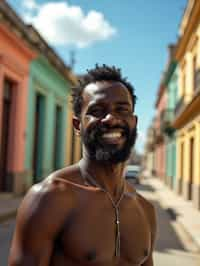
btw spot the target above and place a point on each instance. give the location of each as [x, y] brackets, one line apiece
[110, 119]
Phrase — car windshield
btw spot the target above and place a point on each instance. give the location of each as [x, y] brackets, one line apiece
[133, 168]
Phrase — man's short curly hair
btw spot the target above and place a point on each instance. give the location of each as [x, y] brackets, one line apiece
[99, 73]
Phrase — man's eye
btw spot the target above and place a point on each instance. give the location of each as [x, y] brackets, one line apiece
[97, 112]
[123, 110]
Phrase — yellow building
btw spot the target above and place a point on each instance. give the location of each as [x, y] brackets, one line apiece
[187, 113]
[73, 149]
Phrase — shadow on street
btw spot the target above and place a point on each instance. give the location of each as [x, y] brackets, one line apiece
[166, 235]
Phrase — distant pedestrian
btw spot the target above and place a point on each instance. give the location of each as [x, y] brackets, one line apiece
[88, 214]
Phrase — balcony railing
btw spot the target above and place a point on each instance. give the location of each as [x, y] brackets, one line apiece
[166, 119]
[197, 80]
[182, 102]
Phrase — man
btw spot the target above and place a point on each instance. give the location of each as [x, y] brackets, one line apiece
[87, 214]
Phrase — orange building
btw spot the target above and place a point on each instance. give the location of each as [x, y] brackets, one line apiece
[15, 57]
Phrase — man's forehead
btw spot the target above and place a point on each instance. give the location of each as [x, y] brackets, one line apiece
[103, 86]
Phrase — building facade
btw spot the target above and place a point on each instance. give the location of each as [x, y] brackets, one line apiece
[74, 147]
[34, 91]
[15, 57]
[187, 113]
[171, 84]
[46, 121]
[160, 148]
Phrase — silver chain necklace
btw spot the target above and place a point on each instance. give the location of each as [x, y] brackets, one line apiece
[86, 176]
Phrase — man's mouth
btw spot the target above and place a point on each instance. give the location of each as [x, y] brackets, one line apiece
[113, 137]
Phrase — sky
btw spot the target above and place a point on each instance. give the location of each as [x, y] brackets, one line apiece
[131, 34]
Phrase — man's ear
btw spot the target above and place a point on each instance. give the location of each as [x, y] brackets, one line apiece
[76, 124]
[136, 119]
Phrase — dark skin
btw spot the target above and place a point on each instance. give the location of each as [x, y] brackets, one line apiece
[63, 221]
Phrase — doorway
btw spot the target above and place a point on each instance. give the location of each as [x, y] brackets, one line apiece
[191, 173]
[5, 135]
[39, 128]
[57, 149]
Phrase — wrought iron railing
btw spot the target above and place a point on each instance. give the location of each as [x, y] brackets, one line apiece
[166, 119]
[197, 80]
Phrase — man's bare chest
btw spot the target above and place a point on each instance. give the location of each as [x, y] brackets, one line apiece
[89, 233]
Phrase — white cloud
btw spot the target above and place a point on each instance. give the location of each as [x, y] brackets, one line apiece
[30, 4]
[62, 24]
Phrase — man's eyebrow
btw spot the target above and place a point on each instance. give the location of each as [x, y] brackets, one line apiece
[102, 102]
[123, 103]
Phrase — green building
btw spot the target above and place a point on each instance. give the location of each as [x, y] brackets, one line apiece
[47, 113]
[171, 83]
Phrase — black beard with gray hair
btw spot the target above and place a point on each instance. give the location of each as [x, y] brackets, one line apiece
[100, 151]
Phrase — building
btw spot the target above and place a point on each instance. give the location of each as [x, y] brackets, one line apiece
[160, 148]
[16, 53]
[171, 84]
[187, 112]
[149, 156]
[49, 88]
[35, 118]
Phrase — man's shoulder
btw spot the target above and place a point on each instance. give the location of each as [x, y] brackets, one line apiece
[57, 182]
[50, 193]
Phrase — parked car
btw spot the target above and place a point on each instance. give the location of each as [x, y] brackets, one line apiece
[133, 173]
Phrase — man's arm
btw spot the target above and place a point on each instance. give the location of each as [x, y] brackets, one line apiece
[36, 227]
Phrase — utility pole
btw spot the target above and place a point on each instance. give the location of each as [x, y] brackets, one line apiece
[72, 59]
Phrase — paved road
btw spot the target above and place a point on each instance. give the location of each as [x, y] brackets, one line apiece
[6, 230]
[173, 245]
[170, 249]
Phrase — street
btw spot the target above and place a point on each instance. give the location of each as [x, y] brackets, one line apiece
[173, 246]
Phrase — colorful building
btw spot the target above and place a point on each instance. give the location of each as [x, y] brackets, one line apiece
[170, 81]
[49, 87]
[73, 148]
[34, 112]
[160, 149]
[187, 112]
[149, 157]
[15, 57]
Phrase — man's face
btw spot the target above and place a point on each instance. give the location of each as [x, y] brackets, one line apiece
[108, 126]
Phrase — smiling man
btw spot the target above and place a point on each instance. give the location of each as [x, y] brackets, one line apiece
[87, 214]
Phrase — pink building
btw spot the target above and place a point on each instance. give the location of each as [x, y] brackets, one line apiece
[160, 144]
[15, 58]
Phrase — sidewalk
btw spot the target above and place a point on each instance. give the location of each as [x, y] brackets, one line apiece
[185, 213]
[8, 206]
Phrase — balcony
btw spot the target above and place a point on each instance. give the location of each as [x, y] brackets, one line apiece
[159, 137]
[196, 81]
[181, 104]
[166, 119]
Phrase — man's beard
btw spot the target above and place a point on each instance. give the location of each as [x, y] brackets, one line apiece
[99, 150]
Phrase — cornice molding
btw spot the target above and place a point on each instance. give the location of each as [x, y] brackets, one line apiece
[191, 27]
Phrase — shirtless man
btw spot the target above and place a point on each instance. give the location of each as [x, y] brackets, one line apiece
[88, 214]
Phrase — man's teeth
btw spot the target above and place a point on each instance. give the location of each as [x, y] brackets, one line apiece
[112, 135]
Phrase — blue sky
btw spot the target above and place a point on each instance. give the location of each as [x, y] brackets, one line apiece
[133, 35]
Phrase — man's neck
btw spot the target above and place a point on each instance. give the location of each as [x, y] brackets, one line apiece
[107, 175]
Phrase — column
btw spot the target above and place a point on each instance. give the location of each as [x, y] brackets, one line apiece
[178, 163]
[186, 166]
[196, 186]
